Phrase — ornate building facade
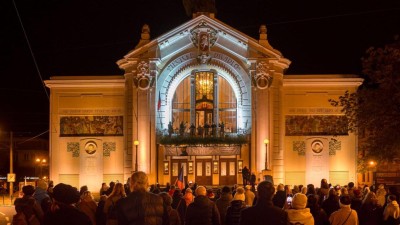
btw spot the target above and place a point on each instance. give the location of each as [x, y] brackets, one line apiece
[209, 100]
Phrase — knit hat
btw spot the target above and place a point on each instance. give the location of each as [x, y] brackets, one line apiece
[42, 184]
[239, 195]
[299, 201]
[248, 187]
[66, 194]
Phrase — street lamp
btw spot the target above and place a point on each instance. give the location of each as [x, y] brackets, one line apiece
[41, 162]
[266, 142]
[136, 143]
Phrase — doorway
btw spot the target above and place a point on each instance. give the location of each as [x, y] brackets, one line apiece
[176, 164]
[203, 172]
[228, 171]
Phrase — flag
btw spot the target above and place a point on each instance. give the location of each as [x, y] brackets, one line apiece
[159, 101]
[180, 181]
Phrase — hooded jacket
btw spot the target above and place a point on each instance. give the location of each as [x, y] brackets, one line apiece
[300, 216]
[391, 210]
[202, 212]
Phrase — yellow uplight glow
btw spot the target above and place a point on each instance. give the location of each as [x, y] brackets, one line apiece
[136, 142]
[266, 141]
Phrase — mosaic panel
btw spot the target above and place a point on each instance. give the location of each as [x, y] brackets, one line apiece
[334, 145]
[74, 148]
[108, 147]
[299, 147]
[78, 126]
[315, 125]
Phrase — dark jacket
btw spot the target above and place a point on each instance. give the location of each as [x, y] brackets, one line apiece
[279, 199]
[66, 215]
[179, 204]
[233, 212]
[202, 211]
[142, 208]
[263, 213]
[330, 205]
[222, 204]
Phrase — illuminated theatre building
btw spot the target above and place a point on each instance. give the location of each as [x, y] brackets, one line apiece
[206, 98]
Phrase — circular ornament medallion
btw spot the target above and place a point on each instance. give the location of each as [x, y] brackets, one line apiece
[91, 147]
[317, 146]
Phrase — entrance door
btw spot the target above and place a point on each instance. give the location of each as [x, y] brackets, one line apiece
[203, 172]
[176, 164]
[228, 172]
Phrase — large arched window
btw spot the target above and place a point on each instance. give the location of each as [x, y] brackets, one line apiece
[209, 96]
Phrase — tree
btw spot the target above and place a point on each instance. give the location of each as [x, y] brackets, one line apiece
[374, 110]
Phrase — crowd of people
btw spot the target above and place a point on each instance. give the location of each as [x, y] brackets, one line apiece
[138, 203]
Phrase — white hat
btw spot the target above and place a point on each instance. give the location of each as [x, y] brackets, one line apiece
[299, 201]
[239, 196]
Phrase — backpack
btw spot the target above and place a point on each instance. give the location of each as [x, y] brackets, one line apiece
[112, 211]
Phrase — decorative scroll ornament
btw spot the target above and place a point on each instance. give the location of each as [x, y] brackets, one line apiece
[143, 78]
[203, 37]
[263, 79]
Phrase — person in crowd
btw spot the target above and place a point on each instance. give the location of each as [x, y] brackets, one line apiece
[350, 189]
[236, 206]
[366, 190]
[101, 217]
[223, 202]
[171, 190]
[356, 201]
[140, 205]
[179, 204]
[249, 195]
[370, 211]
[253, 182]
[103, 189]
[109, 206]
[381, 195]
[245, 175]
[392, 190]
[202, 211]
[279, 198]
[28, 207]
[188, 196]
[88, 206]
[295, 189]
[211, 195]
[391, 214]
[174, 218]
[298, 213]
[323, 190]
[83, 189]
[344, 191]
[63, 210]
[331, 204]
[41, 196]
[320, 216]
[311, 190]
[345, 215]
[304, 190]
[111, 188]
[264, 212]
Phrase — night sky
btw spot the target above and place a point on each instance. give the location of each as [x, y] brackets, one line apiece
[87, 37]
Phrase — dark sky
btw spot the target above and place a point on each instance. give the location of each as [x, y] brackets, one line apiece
[87, 37]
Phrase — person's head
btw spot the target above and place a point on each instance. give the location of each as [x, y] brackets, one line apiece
[28, 190]
[83, 189]
[239, 195]
[391, 198]
[226, 190]
[280, 187]
[42, 184]
[167, 198]
[324, 183]
[312, 201]
[370, 198]
[201, 190]
[87, 196]
[344, 200]
[265, 189]
[66, 194]
[118, 190]
[177, 193]
[188, 190]
[332, 193]
[299, 201]
[139, 181]
[350, 185]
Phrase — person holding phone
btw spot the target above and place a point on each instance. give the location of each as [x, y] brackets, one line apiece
[298, 213]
